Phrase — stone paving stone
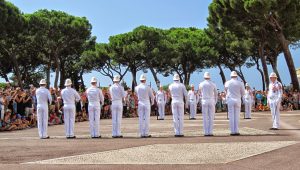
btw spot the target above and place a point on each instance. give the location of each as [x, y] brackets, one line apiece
[200, 153]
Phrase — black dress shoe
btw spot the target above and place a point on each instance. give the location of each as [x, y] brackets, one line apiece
[235, 134]
[71, 137]
[148, 136]
[114, 136]
[273, 128]
[209, 135]
[48, 137]
[96, 137]
[179, 135]
[121, 136]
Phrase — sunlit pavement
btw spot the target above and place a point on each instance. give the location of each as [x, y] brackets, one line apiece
[256, 148]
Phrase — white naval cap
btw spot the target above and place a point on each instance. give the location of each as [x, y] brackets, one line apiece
[116, 78]
[206, 75]
[43, 82]
[143, 77]
[233, 74]
[68, 82]
[176, 77]
[273, 75]
[94, 80]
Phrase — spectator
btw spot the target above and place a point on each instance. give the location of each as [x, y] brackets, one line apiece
[259, 97]
[33, 100]
[19, 100]
[6, 123]
[53, 118]
[27, 103]
[32, 122]
[1, 104]
[106, 105]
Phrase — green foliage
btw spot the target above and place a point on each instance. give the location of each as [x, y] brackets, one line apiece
[239, 33]
[189, 49]
[2, 85]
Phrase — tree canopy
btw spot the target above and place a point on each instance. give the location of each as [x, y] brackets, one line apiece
[239, 33]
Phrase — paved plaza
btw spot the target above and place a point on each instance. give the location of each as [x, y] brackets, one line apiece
[256, 148]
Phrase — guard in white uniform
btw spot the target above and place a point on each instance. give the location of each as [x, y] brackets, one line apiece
[209, 93]
[95, 98]
[248, 101]
[117, 96]
[274, 100]
[146, 99]
[193, 100]
[161, 99]
[43, 96]
[178, 95]
[69, 96]
[235, 90]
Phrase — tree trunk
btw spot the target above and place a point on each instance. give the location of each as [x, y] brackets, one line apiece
[48, 73]
[62, 74]
[5, 77]
[122, 75]
[157, 82]
[263, 62]
[222, 74]
[261, 74]
[81, 78]
[273, 62]
[134, 83]
[56, 71]
[187, 79]
[288, 58]
[17, 70]
[241, 74]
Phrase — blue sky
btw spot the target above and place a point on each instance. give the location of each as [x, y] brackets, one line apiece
[111, 17]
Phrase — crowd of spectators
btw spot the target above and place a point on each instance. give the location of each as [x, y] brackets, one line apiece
[18, 106]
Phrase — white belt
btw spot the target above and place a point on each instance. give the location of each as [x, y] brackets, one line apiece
[94, 103]
[42, 104]
[117, 102]
[69, 103]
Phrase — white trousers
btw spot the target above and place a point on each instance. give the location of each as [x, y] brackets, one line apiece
[248, 105]
[208, 112]
[144, 110]
[193, 109]
[161, 109]
[69, 119]
[2, 111]
[42, 120]
[178, 114]
[116, 114]
[94, 118]
[275, 111]
[234, 109]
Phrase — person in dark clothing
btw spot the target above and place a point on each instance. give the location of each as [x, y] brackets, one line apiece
[19, 99]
